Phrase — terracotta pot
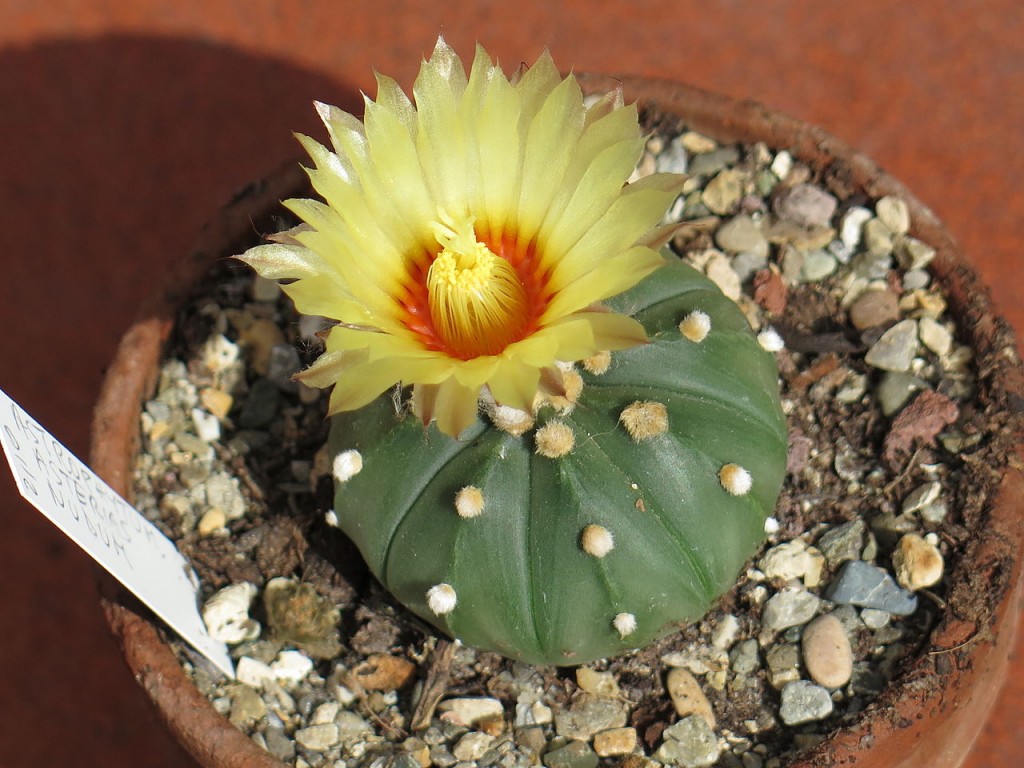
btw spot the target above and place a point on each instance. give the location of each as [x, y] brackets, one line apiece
[969, 648]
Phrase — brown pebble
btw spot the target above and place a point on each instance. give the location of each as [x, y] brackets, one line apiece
[382, 672]
[872, 308]
[687, 696]
[918, 564]
[919, 423]
[770, 291]
[615, 741]
[827, 653]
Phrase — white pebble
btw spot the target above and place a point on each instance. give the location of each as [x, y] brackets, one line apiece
[771, 525]
[347, 465]
[441, 599]
[207, 425]
[253, 672]
[226, 614]
[291, 666]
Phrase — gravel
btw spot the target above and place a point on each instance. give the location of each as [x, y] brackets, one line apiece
[231, 449]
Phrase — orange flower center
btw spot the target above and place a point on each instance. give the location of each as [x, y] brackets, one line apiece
[472, 299]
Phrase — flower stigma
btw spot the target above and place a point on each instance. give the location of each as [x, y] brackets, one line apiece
[478, 304]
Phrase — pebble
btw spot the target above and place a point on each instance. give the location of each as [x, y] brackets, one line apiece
[827, 654]
[818, 264]
[744, 657]
[468, 711]
[843, 542]
[687, 696]
[783, 661]
[615, 741]
[708, 163]
[806, 205]
[260, 406]
[472, 746]
[935, 336]
[223, 492]
[597, 683]
[916, 279]
[588, 715]
[781, 165]
[253, 672]
[741, 235]
[282, 365]
[852, 225]
[207, 425]
[279, 743]
[874, 307]
[291, 667]
[793, 560]
[212, 521]
[868, 586]
[318, 738]
[877, 238]
[921, 497]
[260, 338]
[381, 672]
[689, 743]
[226, 614]
[719, 271]
[673, 159]
[874, 618]
[918, 563]
[724, 634]
[804, 702]
[247, 706]
[351, 724]
[219, 354]
[723, 193]
[895, 390]
[896, 348]
[575, 754]
[894, 213]
[697, 142]
[789, 607]
[913, 254]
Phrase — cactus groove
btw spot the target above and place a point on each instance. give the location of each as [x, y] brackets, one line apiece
[672, 538]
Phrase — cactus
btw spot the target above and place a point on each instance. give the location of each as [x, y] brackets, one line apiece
[471, 250]
[633, 516]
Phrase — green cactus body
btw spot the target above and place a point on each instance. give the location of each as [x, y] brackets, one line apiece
[608, 546]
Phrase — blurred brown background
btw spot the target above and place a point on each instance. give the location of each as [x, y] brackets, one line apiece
[124, 124]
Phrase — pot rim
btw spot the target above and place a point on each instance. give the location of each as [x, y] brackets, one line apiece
[897, 728]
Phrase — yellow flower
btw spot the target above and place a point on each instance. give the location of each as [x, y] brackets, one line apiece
[465, 241]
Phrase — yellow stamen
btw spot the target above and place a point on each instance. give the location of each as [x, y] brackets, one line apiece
[477, 302]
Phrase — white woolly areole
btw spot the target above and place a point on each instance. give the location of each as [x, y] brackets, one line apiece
[696, 326]
[441, 599]
[331, 518]
[771, 525]
[735, 479]
[347, 465]
[625, 624]
[770, 340]
[597, 540]
[469, 502]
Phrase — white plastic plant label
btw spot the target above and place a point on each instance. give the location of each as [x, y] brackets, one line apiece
[107, 527]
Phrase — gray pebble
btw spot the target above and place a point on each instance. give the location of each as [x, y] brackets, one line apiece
[690, 743]
[741, 235]
[877, 237]
[588, 715]
[804, 702]
[913, 254]
[279, 743]
[318, 738]
[708, 163]
[868, 586]
[872, 266]
[874, 618]
[673, 159]
[783, 662]
[896, 348]
[894, 213]
[895, 390]
[843, 542]
[284, 363]
[806, 205]
[743, 658]
[260, 406]
[575, 754]
[916, 279]
[789, 608]
[723, 193]
[818, 265]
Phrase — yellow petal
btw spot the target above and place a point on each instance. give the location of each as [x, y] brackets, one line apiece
[514, 384]
[455, 407]
[612, 277]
